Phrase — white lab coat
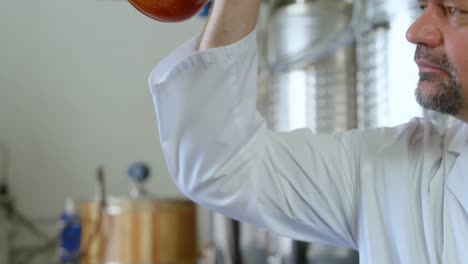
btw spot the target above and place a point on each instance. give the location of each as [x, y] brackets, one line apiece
[397, 195]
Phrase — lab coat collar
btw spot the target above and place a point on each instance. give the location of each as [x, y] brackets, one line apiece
[457, 137]
[457, 180]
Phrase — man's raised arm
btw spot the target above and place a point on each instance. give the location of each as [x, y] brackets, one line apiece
[221, 154]
[229, 22]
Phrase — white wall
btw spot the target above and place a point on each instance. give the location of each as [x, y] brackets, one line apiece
[73, 95]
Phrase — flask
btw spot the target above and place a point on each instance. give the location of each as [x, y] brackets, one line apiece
[169, 10]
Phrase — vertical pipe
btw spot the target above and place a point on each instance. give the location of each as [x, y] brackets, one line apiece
[234, 244]
[299, 252]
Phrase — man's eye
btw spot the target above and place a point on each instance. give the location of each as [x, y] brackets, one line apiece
[452, 11]
[422, 7]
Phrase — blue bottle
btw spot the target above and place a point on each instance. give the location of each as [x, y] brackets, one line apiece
[70, 236]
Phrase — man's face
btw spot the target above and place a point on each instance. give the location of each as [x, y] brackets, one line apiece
[441, 36]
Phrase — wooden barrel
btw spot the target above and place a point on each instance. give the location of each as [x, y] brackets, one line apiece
[139, 232]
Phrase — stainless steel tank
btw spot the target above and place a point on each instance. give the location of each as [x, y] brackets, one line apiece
[307, 85]
[321, 94]
[372, 71]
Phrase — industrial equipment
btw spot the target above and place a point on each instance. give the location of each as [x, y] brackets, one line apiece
[141, 228]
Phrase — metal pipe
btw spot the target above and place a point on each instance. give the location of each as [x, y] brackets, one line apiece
[336, 41]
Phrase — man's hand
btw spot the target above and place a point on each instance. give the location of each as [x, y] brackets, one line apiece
[229, 22]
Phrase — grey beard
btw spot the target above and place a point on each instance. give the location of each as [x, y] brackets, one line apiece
[447, 99]
[445, 94]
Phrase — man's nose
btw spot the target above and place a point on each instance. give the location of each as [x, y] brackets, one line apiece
[424, 31]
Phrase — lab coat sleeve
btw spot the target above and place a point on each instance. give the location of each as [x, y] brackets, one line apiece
[220, 153]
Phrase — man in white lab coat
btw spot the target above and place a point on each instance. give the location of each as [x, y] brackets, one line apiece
[397, 195]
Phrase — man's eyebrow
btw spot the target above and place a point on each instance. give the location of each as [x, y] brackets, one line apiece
[456, 2]
[422, 2]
